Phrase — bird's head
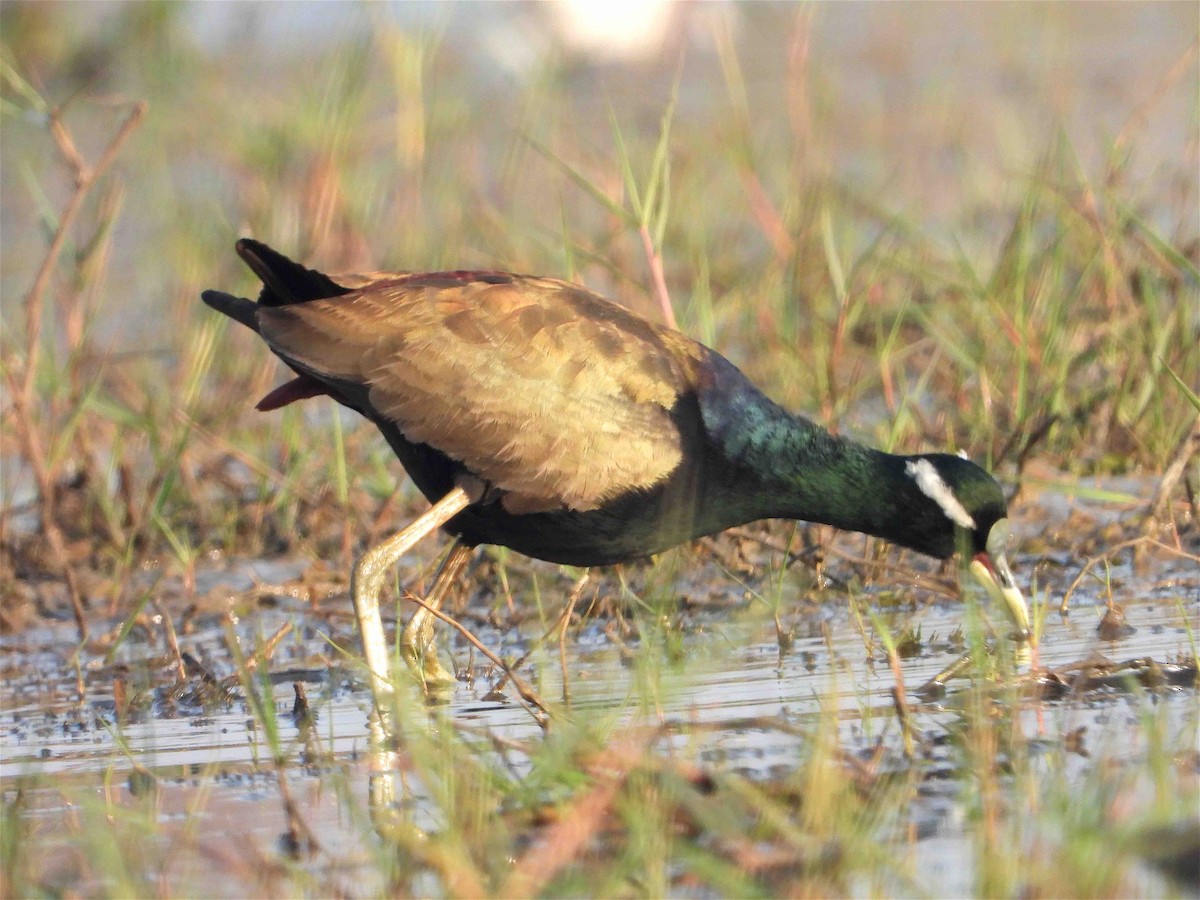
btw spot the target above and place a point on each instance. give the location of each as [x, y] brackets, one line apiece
[963, 508]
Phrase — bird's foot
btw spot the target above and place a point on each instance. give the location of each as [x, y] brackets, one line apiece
[426, 665]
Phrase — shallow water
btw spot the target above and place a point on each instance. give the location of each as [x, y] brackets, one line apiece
[730, 697]
[736, 670]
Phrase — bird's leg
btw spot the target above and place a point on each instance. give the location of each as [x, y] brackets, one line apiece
[366, 580]
[416, 641]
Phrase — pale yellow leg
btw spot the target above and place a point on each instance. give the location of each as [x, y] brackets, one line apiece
[366, 582]
[416, 641]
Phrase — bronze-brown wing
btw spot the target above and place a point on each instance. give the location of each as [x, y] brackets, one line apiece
[356, 281]
[550, 393]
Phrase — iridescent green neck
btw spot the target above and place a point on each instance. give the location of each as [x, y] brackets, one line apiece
[777, 465]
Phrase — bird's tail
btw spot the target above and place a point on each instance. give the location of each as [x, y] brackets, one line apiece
[239, 308]
[284, 281]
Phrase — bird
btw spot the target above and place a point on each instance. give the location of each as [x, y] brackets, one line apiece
[536, 415]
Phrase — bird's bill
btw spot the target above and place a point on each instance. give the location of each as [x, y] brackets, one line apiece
[992, 571]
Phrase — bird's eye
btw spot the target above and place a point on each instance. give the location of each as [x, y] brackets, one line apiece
[997, 540]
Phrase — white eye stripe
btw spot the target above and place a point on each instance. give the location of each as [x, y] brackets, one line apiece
[933, 486]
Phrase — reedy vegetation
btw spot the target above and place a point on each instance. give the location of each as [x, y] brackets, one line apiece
[1045, 327]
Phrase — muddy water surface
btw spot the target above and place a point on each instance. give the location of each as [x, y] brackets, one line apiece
[732, 696]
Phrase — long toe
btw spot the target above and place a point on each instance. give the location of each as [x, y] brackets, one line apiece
[426, 665]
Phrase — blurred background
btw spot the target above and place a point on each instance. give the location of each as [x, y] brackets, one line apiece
[934, 225]
[408, 134]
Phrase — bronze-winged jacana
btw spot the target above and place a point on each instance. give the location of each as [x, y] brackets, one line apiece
[539, 416]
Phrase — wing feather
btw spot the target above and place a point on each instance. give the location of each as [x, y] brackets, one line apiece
[552, 394]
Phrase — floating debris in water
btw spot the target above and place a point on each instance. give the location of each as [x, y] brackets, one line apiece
[1113, 626]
